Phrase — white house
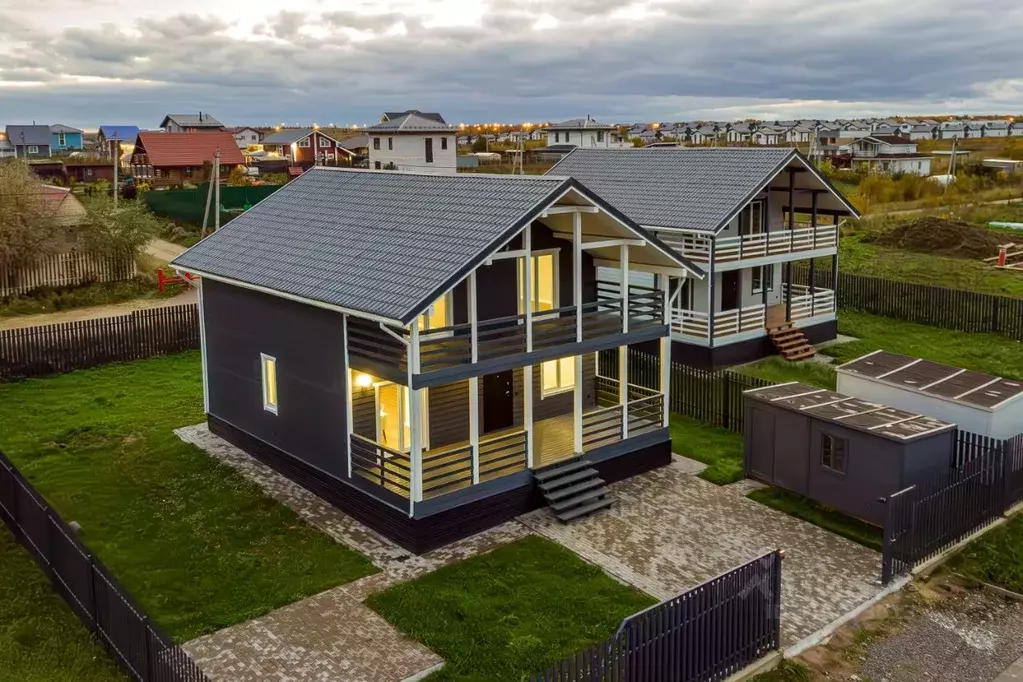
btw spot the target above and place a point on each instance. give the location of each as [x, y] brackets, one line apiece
[801, 132]
[586, 132]
[1015, 129]
[246, 137]
[995, 129]
[740, 132]
[952, 130]
[889, 154]
[413, 142]
[768, 135]
[923, 131]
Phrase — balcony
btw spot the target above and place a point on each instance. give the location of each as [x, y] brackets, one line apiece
[695, 325]
[778, 242]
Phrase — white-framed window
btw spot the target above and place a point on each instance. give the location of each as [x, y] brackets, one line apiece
[393, 416]
[324, 143]
[269, 366]
[304, 142]
[437, 315]
[545, 282]
[761, 276]
[558, 376]
[32, 149]
[751, 220]
[61, 139]
[834, 453]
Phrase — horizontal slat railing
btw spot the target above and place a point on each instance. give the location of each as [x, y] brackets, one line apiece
[446, 470]
[381, 465]
[778, 241]
[645, 413]
[502, 455]
[602, 427]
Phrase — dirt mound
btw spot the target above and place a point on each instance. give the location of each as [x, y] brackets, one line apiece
[944, 237]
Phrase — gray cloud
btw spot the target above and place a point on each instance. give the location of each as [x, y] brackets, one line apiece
[691, 59]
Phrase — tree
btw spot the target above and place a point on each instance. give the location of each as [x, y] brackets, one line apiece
[27, 227]
[121, 231]
[238, 177]
[480, 144]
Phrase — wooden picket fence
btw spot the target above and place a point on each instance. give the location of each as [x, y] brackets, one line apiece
[66, 269]
[59, 348]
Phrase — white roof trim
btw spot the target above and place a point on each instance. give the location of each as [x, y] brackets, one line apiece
[898, 369]
[974, 390]
[935, 383]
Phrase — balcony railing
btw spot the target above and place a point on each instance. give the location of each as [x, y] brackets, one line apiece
[807, 304]
[696, 324]
[804, 237]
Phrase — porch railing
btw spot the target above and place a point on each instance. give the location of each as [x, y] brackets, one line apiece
[390, 469]
[503, 454]
[602, 427]
[695, 323]
[804, 237]
[807, 303]
[645, 413]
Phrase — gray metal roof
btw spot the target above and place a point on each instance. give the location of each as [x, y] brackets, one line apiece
[578, 124]
[192, 121]
[37, 136]
[287, 136]
[432, 115]
[376, 242]
[688, 187]
[409, 123]
[61, 128]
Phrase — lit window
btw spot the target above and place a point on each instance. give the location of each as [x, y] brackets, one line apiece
[394, 422]
[269, 383]
[437, 315]
[545, 283]
[558, 376]
[833, 453]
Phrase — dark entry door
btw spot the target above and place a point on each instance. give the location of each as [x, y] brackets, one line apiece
[497, 401]
[730, 290]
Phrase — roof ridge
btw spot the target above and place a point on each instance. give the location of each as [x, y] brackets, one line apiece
[503, 176]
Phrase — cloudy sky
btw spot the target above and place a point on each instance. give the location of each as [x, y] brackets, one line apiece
[90, 62]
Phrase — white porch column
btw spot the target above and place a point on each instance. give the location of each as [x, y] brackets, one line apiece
[474, 382]
[666, 352]
[202, 345]
[349, 419]
[577, 296]
[415, 406]
[527, 371]
[623, 351]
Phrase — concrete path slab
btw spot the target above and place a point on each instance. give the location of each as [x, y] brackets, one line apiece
[1014, 673]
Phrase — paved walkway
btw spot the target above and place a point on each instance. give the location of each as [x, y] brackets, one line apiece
[669, 531]
[163, 250]
[1014, 673]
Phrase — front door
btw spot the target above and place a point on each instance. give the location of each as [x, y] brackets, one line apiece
[730, 290]
[498, 401]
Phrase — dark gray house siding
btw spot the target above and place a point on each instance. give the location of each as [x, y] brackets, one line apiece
[307, 343]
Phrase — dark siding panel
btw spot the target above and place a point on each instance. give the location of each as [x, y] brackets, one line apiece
[449, 414]
[497, 290]
[308, 344]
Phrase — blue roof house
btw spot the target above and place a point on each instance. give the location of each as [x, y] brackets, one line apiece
[65, 138]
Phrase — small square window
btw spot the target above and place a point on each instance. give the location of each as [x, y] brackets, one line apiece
[303, 142]
[324, 142]
[32, 149]
[376, 143]
[834, 452]
[269, 382]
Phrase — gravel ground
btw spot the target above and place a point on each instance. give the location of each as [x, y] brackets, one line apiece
[962, 636]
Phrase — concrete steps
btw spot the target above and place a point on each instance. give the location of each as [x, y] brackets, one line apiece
[572, 489]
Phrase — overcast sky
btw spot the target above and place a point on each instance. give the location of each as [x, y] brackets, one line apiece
[95, 62]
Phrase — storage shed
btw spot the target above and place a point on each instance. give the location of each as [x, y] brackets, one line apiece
[841, 451]
[977, 402]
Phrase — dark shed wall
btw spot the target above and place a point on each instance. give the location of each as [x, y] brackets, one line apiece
[926, 457]
[308, 344]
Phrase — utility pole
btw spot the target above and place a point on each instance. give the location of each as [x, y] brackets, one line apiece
[216, 207]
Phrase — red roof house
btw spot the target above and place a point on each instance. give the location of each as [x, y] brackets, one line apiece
[174, 158]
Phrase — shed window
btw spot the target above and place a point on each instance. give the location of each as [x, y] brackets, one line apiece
[32, 149]
[833, 452]
[269, 382]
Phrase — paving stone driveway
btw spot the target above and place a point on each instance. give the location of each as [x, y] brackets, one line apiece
[669, 531]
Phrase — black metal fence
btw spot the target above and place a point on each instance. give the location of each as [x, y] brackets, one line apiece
[59, 348]
[956, 309]
[927, 519]
[712, 396]
[706, 633]
[142, 650]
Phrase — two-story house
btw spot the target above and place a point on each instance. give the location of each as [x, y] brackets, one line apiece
[586, 132]
[168, 159]
[307, 147]
[245, 136]
[29, 141]
[413, 142]
[888, 154]
[65, 138]
[452, 363]
[744, 215]
[190, 123]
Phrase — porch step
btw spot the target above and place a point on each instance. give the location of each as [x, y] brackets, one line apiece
[791, 342]
[572, 489]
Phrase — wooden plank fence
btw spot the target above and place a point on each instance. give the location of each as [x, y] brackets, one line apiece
[143, 651]
[957, 309]
[59, 348]
[66, 269]
[706, 633]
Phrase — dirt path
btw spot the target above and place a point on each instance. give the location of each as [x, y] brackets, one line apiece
[94, 312]
[163, 250]
[912, 211]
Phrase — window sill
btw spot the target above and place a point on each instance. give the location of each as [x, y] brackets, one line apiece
[555, 391]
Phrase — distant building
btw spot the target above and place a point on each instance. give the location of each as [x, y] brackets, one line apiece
[307, 147]
[413, 142]
[166, 159]
[190, 123]
[65, 138]
[586, 132]
[889, 154]
[116, 139]
[245, 137]
[30, 141]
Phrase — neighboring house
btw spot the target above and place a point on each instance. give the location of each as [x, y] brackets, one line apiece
[889, 154]
[743, 214]
[425, 377]
[800, 133]
[166, 159]
[853, 130]
[116, 140]
[586, 132]
[190, 123]
[952, 130]
[30, 141]
[995, 129]
[307, 147]
[65, 138]
[6, 148]
[89, 170]
[740, 133]
[414, 143]
[395, 115]
[245, 137]
[923, 131]
[768, 136]
[1016, 129]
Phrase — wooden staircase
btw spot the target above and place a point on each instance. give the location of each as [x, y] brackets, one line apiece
[791, 342]
[572, 489]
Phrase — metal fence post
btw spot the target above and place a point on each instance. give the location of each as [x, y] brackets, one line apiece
[776, 597]
[1007, 481]
[726, 415]
[93, 610]
[886, 550]
[148, 650]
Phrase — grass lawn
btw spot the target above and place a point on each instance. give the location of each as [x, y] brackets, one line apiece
[787, 671]
[196, 544]
[509, 613]
[719, 449]
[819, 515]
[40, 638]
[996, 557]
[782, 371]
